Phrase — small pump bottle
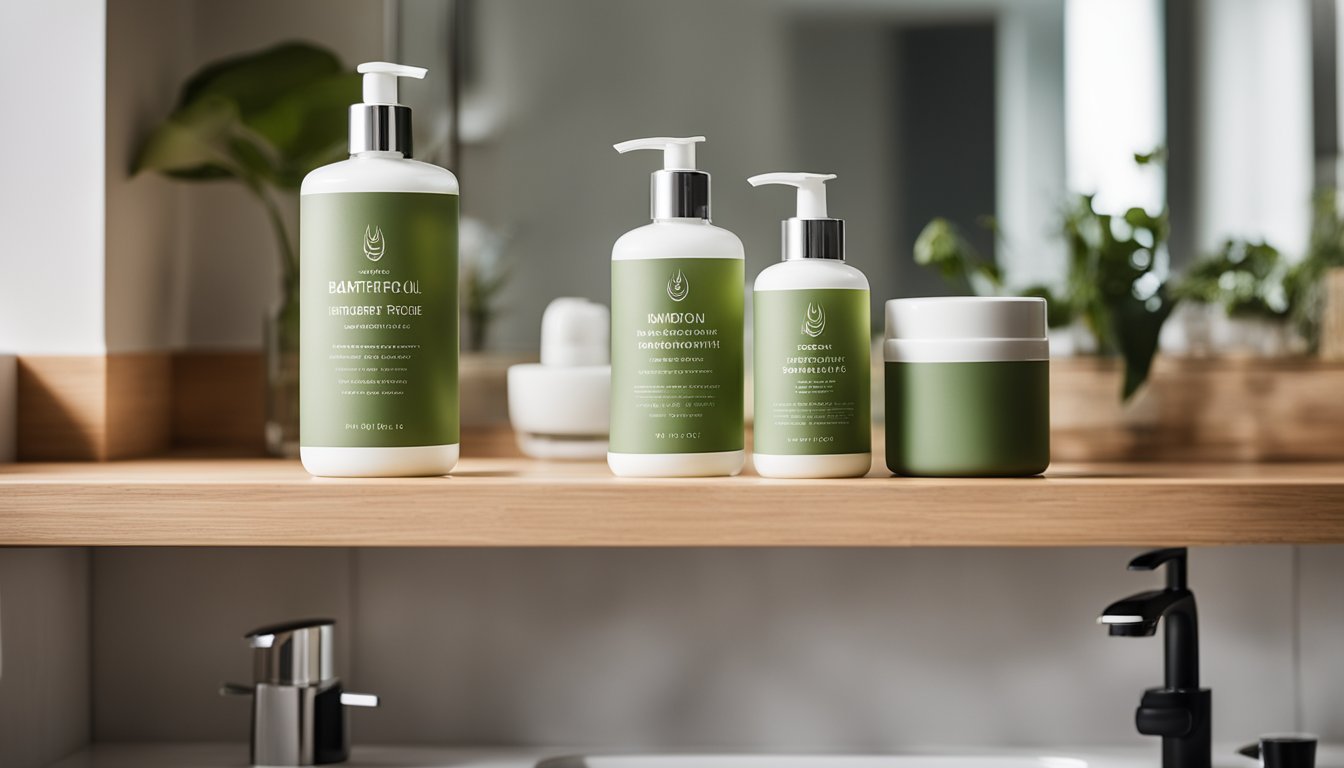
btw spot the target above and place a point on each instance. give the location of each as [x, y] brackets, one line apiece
[813, 342]
[676, 331]
[378, 280]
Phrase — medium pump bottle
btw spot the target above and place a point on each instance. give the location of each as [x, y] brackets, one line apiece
[378, 280]
[676, 331]
[813, 342]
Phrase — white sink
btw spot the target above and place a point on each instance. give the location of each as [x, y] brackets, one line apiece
[816, 761]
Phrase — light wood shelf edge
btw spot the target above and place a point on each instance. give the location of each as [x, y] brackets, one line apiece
[516, 502]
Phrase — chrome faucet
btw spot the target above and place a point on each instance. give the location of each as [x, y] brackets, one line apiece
[1180, 711]
[298, 706]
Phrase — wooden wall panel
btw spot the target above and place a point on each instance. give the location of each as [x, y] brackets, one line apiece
[62, 407]
[93, 407]
[1230, 409]
[219, 400]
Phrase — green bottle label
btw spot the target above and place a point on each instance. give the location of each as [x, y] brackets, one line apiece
[676, 355]
[378, 278]
[813, 380]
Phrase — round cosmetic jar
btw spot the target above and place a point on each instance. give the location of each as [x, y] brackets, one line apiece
[967, 387]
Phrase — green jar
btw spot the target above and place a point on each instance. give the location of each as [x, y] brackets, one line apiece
[967, 387]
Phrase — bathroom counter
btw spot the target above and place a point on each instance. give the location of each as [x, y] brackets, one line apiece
[207, 755]
[185, 501]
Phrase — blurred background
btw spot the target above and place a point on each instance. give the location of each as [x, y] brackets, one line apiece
[964, 109]
[1164, 170]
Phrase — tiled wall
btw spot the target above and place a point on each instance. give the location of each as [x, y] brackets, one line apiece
[742, 649]
[44, 655]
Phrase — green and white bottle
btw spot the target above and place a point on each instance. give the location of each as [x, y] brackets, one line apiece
[676, 331]
[813, 380]
[378, 281]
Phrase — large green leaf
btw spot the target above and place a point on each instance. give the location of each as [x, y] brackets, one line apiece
[1137, 326]
[310, 127]
[256, 81]
[266, 117]
[194, 141]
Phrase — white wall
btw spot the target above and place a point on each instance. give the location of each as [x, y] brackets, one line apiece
[571, 79]
[1115, 101]
[1254, 171]
[45, 670]
[148, 45]
[51, 189]
[1031, 140]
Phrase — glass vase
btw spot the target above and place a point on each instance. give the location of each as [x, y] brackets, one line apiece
[282, 377]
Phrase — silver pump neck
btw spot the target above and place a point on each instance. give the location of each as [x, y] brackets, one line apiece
[813, 239]
[380, 128]
[679, 195]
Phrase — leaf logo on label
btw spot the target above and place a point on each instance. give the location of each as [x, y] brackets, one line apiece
[678, 287]
[373, 243]
[815, 321]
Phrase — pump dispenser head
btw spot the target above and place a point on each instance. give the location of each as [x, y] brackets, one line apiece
[811, 234]
[678, 191]
[380, 123]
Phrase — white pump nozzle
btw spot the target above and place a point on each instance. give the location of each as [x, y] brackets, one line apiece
[678, 154]
[380, 80]
[811, 190]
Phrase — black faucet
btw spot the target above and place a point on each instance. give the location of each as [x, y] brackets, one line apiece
[1180, 711]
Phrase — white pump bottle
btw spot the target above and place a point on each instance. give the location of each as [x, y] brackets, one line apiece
[812, 347]
[379, 351]
[676, 331]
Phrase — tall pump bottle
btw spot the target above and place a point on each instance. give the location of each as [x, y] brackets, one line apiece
[676, 331]
[378, 281]
[813, 342]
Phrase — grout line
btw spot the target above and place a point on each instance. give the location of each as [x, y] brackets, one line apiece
[352, 600]
[90, 637]
[1297, 636]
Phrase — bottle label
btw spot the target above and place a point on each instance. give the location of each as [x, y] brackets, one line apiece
[379, 320]
[676, 355]
[813, 379]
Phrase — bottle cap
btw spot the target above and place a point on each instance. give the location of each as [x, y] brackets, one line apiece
[811, 234]
[962, 329]
[380, 123]
[678, 191]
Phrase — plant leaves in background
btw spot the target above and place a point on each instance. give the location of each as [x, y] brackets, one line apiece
[1136, 326]
[266, 117]
[1245, 278]
[1113, 284]
[193, 143]
[941, 246]
[1302, 284]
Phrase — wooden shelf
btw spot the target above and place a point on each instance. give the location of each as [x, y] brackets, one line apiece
[517, 502]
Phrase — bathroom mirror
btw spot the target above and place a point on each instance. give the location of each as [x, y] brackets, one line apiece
[965, 109]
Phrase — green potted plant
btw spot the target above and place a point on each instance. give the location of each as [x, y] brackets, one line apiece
[1236, 300]
[1304, 281]
[1112, 286]
[263, 120]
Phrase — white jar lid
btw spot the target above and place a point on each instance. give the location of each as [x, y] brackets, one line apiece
[966, 329]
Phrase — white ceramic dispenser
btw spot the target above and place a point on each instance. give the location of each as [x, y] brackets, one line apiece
[560, 408]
